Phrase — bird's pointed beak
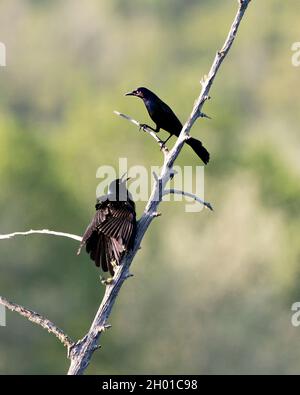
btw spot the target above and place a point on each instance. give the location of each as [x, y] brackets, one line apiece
[130, 93]
[125, 179]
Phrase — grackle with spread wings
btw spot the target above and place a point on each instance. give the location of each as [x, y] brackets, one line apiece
[112, 231]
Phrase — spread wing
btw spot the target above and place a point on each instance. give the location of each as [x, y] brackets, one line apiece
[99, 217]
[119, 225]
[109, 235]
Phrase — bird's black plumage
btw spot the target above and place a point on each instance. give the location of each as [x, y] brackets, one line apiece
[112, 231]
[164, 118]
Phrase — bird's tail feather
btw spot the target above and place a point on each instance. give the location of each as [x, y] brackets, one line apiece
[111, 252]
[199, 149]
[105, 251]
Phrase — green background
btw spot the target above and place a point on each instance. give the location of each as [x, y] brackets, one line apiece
[211, 292]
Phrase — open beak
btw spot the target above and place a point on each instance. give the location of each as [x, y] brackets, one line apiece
[130, 94]
[126, 179]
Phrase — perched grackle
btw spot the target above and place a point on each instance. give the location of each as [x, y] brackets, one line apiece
[164, 118]
[112, 231]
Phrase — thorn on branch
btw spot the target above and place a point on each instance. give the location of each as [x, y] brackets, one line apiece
[201, 103]
[103, 328]
[106, 281]
[128, 275]
[97, 347]
[156, 214]
[208, 205]
[202, 115]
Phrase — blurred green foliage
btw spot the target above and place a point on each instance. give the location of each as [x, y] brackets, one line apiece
[212, 292]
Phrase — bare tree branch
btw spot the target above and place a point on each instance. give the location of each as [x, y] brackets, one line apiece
[39, 320]
[81, 353]
[188, 194]
[43, 231]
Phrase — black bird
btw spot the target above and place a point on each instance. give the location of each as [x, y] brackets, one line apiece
[112, 231]
[164, 118]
